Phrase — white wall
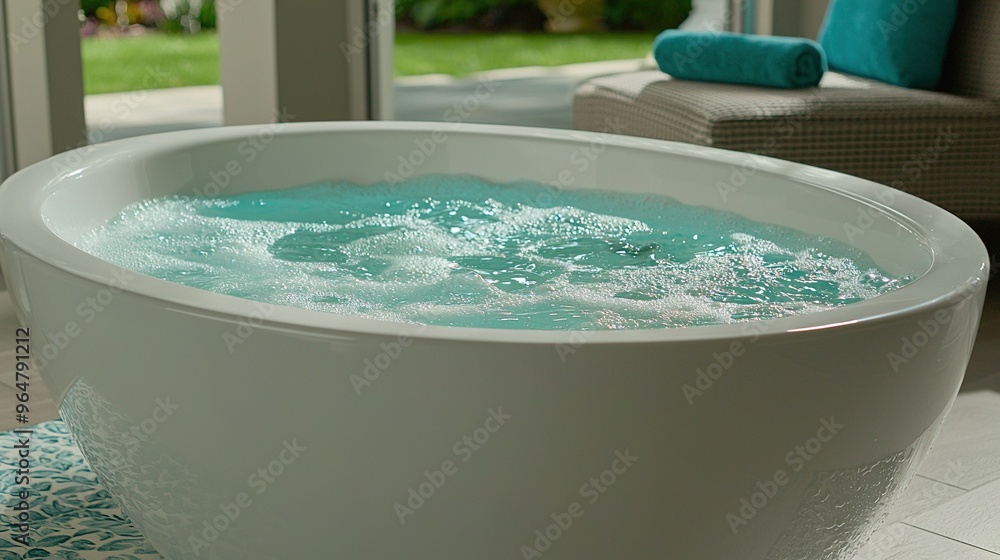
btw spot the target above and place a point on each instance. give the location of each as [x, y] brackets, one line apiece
[811, 14]
[799, 18]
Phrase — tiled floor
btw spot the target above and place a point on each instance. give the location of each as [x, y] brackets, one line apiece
[951, 510]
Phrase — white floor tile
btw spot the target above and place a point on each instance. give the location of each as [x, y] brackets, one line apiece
[970, 435]
[903, 542]
[973, 518]
[921, 495]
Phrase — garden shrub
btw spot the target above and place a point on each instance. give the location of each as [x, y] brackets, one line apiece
[645, 15]
[206, 15]
[90, 7]
[429, 14]
[628, 15]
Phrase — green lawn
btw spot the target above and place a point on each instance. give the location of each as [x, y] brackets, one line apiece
[421, 53]
[159, 60]
[149, 62]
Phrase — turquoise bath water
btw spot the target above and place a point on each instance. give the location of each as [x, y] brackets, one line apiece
[459, 251]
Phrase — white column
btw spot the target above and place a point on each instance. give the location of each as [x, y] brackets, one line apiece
[793, 18]
[811, 17]
[764, 15]
[45, 78]
[380, 29]
[248, 61]
[734, 16]
[298, 61]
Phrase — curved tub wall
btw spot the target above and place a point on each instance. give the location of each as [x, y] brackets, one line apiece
[693, 426]
[568, 420]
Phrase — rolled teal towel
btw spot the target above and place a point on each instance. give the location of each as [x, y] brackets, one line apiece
[781, 62]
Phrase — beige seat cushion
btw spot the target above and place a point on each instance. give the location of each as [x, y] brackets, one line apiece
[941, 147]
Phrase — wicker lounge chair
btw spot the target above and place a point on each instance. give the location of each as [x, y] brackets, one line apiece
[943, 146]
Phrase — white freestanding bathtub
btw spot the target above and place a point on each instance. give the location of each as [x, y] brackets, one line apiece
[231, 429]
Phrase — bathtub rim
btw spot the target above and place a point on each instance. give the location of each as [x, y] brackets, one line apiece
[942, 284]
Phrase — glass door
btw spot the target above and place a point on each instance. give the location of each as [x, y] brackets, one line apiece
[6, 132]
[518, 62]
[381, 16]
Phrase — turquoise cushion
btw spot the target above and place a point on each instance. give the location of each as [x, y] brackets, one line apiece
[901, 42]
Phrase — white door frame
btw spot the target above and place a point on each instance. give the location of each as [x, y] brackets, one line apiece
[317, 60]
[41, 88]
[380, 85]
[796, 18]
[6, 124]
